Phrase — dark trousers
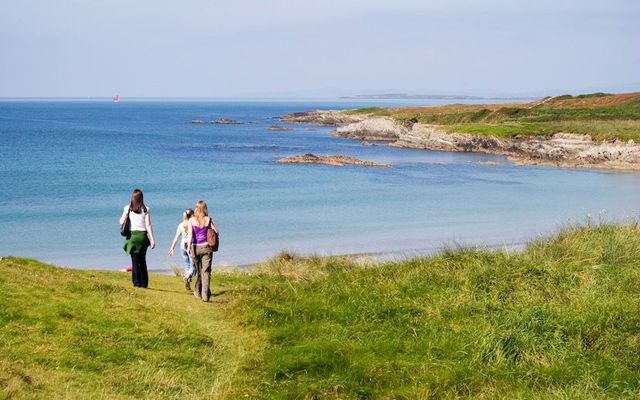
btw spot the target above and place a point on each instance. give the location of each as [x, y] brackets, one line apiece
[139, 274]
[202, 256]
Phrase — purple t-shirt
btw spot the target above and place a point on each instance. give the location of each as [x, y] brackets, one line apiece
[200, 234]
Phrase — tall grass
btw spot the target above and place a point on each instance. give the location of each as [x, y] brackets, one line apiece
[556, 321]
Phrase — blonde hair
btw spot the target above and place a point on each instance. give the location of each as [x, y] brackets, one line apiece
[188, 213]
[201, 212]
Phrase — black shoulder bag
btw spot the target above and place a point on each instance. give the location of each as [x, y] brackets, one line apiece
[125, 228]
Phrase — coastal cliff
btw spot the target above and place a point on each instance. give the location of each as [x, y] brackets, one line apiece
[561, 149]
[549, 145]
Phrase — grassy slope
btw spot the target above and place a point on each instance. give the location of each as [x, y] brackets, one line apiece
[605, 117]
[89, 334]
[559, 320]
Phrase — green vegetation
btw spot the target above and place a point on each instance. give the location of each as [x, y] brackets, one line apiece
[89, 334]
[604, 116]
[557, 320]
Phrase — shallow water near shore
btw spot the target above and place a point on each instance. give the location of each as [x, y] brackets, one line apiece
[68, 167]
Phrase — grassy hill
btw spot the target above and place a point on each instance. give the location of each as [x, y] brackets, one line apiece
[558, 320]
[603, 116]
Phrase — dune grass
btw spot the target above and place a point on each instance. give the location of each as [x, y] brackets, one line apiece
[557, 320]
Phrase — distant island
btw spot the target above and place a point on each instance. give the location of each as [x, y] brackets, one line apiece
[597, 130]
[408, 96]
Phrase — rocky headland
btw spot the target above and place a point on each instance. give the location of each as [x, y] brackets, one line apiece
[560, 149]
[335, 160]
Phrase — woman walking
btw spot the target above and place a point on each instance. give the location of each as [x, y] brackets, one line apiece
[182, 233]
[200, 251]
[140, 238]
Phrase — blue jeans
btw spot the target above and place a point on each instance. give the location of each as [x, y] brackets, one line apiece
[188, 265]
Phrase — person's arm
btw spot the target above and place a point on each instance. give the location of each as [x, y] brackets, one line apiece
[189, 237]
[123, 218]
[175, 241]
[147, 222]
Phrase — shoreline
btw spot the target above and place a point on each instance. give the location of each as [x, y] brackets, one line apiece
[375, 257]
[563, 150]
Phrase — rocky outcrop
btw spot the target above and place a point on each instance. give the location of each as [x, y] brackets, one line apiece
[335, 160]
[226, 121]
[223, 121]
[278, 128]
[372, 129]
[562, 149]
[322, 117]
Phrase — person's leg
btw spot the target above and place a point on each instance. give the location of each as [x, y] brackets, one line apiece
[186, 263]
[206, 274]
[144, 274]
[137, 269]
[197, 265]
[188, 269]
[134, 270]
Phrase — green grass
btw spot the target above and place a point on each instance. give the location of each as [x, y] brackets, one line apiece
[557, 320]
[88, 334]
[598, 129]
[603, 116]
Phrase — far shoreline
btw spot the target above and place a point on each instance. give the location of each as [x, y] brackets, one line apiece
[568, 141]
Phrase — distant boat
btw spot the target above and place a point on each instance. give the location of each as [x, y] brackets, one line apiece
[116, 99]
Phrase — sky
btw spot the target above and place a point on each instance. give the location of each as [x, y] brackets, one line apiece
[319, 48]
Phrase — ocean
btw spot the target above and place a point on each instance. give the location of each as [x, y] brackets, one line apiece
[67, 168]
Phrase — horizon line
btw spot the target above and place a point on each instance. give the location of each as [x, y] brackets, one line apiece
[343, 98]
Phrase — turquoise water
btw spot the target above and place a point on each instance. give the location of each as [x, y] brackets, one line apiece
[68, 167]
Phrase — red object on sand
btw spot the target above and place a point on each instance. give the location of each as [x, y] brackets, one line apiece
[128, 269]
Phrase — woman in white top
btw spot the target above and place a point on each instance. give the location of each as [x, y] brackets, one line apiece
[140, 239]
[182, 234]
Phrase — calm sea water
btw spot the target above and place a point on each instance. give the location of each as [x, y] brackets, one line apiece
[68, 167]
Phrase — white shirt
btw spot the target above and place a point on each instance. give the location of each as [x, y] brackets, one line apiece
[137, 220]
[183, 232]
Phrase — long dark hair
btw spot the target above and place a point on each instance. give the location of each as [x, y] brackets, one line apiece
[137, 202]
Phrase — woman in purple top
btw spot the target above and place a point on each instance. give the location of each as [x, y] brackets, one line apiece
[199, 250]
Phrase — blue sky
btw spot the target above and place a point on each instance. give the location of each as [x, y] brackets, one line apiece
[316, 48]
